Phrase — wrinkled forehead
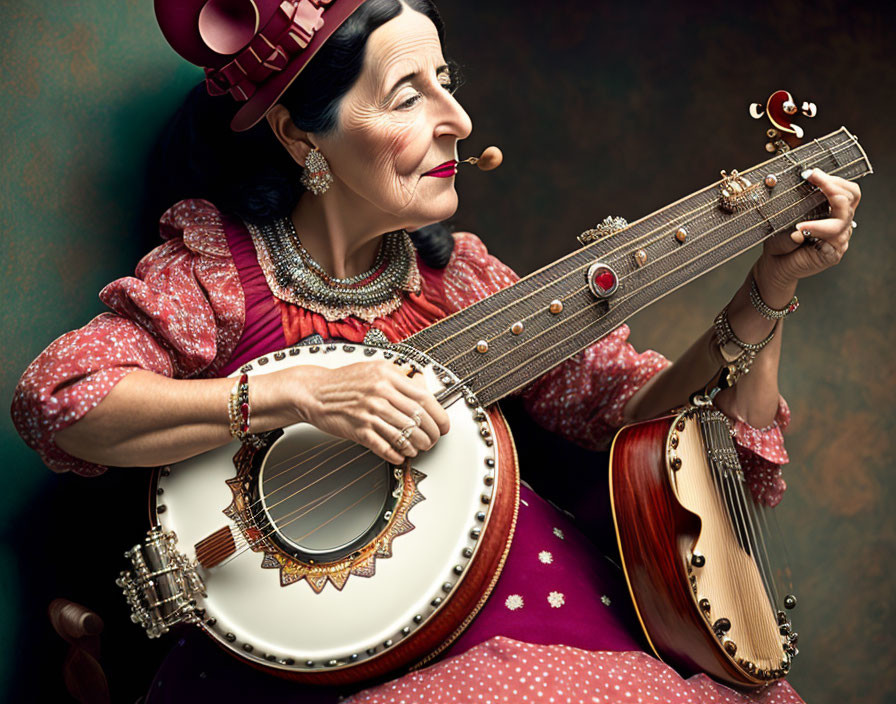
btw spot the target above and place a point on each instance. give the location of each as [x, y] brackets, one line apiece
[405, 44]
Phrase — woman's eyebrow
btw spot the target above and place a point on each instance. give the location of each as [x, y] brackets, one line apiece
[411, 76]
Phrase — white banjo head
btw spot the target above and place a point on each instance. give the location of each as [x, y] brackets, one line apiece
[337, 556]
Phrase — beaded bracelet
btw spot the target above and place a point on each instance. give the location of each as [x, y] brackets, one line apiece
[239, 412]
[765, 310]
[724, 334]
[740, 364]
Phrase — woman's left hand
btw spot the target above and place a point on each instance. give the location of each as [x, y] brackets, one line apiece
[788, 257]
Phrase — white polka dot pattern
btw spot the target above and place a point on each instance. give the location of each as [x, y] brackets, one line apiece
[514, 602]
[505, 671]
[556, 600]
[179, 316]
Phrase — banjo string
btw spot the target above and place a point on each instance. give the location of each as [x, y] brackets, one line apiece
[567, 321]
[640, 241]
[247, 545]
[622, 277]
[444, 398]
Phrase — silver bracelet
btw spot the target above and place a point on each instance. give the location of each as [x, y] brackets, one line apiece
[767, 311]
[724, 334]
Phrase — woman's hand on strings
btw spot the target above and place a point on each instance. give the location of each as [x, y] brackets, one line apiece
[373, 404]
[816, 245]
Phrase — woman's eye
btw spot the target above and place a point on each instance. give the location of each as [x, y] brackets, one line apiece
[410, 101]
[446, 80]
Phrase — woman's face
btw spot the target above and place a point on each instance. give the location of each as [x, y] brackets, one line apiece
[396, 123]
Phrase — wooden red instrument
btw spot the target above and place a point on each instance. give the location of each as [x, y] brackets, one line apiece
[694, 550]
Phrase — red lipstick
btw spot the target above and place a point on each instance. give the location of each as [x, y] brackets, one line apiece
[446, 170]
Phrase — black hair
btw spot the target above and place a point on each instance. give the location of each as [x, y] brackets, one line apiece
[249, 174]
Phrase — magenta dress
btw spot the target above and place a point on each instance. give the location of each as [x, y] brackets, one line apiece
[559, 625]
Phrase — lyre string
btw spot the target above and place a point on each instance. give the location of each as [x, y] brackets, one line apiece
[774, 531]
[761, 531]
[731, 492]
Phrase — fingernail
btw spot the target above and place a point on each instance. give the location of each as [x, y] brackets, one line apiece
[797, 237]
[806, 174]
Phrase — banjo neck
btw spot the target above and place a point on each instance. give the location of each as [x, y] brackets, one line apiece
[504, 342]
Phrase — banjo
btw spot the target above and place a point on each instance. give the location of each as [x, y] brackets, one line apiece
[310, 557]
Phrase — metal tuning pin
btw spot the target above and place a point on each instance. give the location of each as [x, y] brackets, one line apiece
[790, 601]
[610, 225]
[490, 158]
[722, 625]
[780, 108]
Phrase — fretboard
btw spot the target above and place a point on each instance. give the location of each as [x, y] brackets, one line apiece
[650, 262]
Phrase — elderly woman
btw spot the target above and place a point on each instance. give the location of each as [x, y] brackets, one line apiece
[361, 111]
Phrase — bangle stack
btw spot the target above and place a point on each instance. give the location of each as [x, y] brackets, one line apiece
[767, 311]
[738, 364]
[239, 412]
[738, 356]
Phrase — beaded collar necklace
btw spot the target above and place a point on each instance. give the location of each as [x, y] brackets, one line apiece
[294, 276]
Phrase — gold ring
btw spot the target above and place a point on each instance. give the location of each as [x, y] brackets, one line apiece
[400, 443]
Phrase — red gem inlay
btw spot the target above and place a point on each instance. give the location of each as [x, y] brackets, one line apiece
[244, 411]
[604, 279]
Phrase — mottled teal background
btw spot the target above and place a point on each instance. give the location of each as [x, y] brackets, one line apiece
[601, 109]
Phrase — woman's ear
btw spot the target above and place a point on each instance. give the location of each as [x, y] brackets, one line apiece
[294, 140]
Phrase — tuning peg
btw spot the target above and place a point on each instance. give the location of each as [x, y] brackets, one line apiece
[780, 109]
[756, 110]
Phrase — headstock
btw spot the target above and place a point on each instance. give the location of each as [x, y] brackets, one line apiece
[780, 109]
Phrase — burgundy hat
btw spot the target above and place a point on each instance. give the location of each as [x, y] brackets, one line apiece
[252, 49]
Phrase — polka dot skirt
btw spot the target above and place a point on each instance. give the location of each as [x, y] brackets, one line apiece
[509, 671]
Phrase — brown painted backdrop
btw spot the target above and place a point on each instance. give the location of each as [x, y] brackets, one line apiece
[600, 108]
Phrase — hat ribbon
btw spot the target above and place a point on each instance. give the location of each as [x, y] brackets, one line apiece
[285, 35]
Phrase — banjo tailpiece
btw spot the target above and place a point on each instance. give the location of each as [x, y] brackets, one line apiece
[164, 584]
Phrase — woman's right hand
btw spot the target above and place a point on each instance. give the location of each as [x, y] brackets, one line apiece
[370, 403]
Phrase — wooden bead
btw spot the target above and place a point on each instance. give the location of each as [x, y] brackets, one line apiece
[490, 159]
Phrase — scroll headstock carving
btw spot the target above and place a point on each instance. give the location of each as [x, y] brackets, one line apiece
[780, 109]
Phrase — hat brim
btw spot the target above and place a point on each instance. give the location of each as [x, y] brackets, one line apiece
[269, 93]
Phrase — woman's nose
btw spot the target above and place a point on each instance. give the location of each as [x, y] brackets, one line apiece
[452, 118]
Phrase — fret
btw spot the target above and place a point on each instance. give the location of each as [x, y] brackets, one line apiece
[713, 236]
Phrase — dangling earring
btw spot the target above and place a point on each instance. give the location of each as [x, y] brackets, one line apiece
[317, 177]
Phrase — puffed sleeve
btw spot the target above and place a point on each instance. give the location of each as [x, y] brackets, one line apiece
[583, 399]
[180, 316]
